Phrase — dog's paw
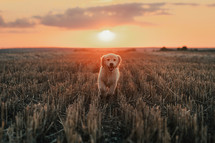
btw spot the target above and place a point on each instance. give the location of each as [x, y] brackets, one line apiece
[101, 92]
[110, 93]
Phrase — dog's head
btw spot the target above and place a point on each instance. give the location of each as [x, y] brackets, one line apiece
[111, 61]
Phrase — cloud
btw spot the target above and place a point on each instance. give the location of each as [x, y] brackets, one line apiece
[101, 16]
[211, 5]
[16, 31]
[186, 4]
[1, 21]
[96, 17]
[18, 23]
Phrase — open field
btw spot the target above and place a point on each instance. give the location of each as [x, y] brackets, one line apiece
[50, 95]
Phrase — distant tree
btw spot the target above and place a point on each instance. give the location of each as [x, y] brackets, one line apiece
[184, 48]
[163, 49]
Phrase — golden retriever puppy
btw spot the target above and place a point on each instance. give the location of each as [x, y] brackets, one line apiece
[109, 74]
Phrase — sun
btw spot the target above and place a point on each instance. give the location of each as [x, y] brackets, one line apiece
[106, 36]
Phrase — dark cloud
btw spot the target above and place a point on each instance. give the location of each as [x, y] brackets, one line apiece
[18, 23]
[211, 5]
[1, 21]
[96, 17]
[186, 4]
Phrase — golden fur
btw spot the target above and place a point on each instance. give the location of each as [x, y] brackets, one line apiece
[109, 74]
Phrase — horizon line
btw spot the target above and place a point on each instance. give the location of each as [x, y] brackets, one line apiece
[55, 47]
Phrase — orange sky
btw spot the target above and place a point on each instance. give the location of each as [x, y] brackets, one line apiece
[135, 23]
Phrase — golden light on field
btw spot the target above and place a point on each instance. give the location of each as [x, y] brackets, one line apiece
[106, 36]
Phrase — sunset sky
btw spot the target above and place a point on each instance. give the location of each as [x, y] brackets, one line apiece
[107, 23]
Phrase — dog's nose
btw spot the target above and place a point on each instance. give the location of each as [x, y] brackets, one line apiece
[111, 64]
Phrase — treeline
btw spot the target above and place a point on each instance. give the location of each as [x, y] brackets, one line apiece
[184, 48]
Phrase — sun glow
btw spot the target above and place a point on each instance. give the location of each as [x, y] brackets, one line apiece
[106, 36]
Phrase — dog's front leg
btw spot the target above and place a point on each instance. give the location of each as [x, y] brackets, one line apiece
[112, 89]
[102, 88]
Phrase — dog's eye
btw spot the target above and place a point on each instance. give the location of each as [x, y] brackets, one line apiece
[108, 59]
[114, 59]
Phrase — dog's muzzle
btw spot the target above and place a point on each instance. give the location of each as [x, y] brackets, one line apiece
[111, 68]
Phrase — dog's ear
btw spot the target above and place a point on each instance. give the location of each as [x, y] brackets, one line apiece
[103, 61]
[119, 60]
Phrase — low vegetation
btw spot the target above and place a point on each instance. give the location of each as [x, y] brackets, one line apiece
[51, 96]
[184, 48]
